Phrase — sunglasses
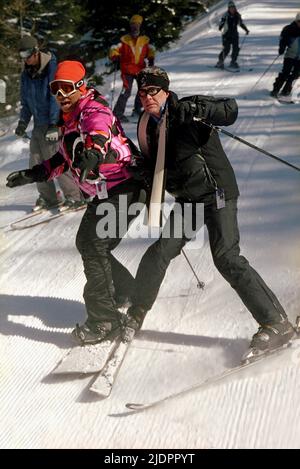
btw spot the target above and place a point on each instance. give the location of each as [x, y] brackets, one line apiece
[149, 91]
[65, 87]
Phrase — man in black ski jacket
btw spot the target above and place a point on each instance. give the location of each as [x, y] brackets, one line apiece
[290, 45]
[230, 37]
[198, 171]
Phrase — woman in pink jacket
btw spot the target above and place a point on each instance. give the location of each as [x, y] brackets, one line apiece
[94, 147]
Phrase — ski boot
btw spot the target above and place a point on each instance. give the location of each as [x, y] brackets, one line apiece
[220, 65]
[135, 317]
[269, 338]
[42, 204]
[94, 332]
[71, 204]
[274, 93]
[234, 65]
[133, 322]
[285, 92]
[123, 119]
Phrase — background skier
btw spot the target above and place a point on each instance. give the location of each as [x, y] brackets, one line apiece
[230, 37]
[290, 44]
[131, 53]
[37, 102]
[198, 171]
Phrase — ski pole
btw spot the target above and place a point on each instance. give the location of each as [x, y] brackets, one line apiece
[245, 142]
[242, 43]
[268, 68]
[200, 284]
[113, 86]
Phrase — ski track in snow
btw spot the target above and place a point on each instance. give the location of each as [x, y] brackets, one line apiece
[190, 334]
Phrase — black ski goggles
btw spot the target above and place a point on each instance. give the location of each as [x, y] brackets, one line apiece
[151, 91]
[64, 87]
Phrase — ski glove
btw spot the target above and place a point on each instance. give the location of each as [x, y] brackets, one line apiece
[185, 112]
[87, 160]
[27, 176]
[281, 50]
[21, 129]
[52, 134]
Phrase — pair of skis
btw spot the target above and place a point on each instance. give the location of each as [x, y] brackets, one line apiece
[106, 358]
[103, 359]
[40, 217]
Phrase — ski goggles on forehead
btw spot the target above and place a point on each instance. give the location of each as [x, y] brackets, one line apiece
[151, 91]
[65, 87]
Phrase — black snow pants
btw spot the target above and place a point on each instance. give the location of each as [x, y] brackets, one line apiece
[97, 236]
[120, 105]
[223, 234]
[228, 42]
[289, 73]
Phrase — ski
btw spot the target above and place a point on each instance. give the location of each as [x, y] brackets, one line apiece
[294, 343]
[86, 359]
[104, 382]
[49, 215]
[232, 70]
[285, 101]
[28, 216]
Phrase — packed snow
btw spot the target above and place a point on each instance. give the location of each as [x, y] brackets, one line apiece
[190, 334]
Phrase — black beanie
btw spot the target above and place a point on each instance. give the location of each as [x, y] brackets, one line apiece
[153, 76]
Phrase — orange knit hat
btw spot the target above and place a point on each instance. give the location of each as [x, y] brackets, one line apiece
[70, 70]
[138, 19]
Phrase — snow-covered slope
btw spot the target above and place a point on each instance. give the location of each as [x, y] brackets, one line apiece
[190, 334]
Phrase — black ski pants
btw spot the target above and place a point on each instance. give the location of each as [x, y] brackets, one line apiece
[228, 42]
[289, 73]
[120, 105]
[105, 275]
[224, 240]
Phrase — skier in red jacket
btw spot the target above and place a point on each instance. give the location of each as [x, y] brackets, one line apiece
[131, 52]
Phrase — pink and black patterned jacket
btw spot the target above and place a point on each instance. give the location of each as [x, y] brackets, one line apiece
[92, 125]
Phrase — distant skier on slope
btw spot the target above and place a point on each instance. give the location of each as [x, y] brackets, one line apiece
[131, 53]
[230, 37]
[198, 172]
[290, 44]
[93, 143]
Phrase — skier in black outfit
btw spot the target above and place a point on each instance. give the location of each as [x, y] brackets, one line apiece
[290, 44]
[230, 36]
[196, 170]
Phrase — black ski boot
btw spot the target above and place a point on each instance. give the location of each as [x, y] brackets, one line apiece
[220, 64]
[274, 93]
[133, 323]
[94, 332]
[135, 317]
[234, 65]
[269, 338]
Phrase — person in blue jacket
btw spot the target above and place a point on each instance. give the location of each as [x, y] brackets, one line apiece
[37, 102]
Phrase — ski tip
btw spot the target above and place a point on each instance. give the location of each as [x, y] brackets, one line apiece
[134, 406]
